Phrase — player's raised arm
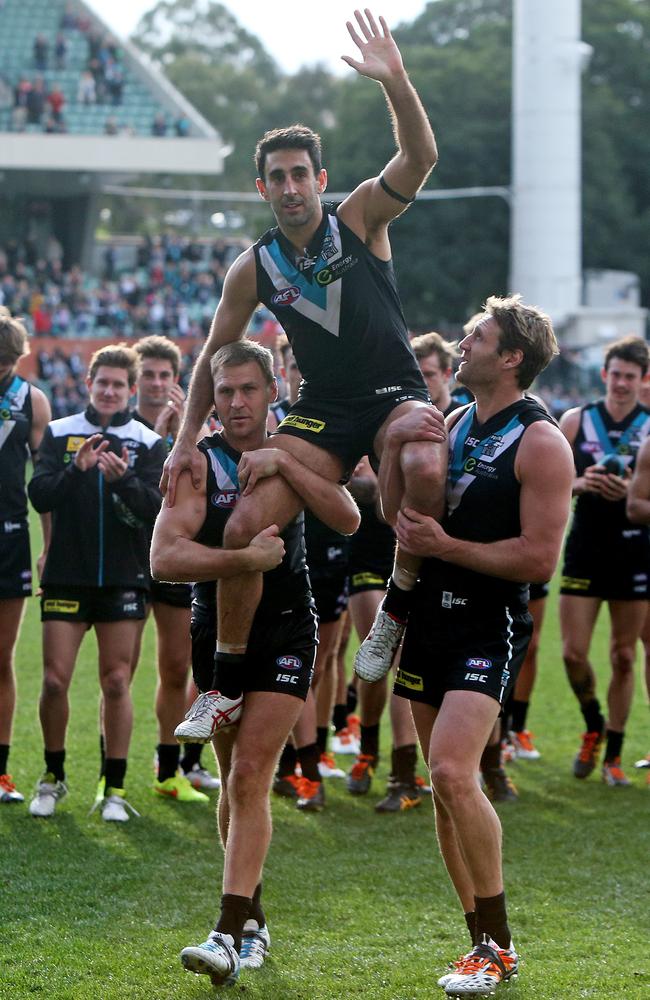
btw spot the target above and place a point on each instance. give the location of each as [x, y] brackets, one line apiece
[238, 302]
[378, 200]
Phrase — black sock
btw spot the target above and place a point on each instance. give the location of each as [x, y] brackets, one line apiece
[256, 911]
[491, 757]
[593, 717]
[191, 756]
[519, 713]
[115, 772]
[228, 671]
[102, 755]
[169, 755]
[506, 717]
[470, 920]
[397, 602]
[340, 717]
[54, 761]
[235, 911]
[370, 740]
[308, 758]
[492, 919]
[322, 733]
[351, 699]
[614, 745]
[4, 756]
[288, 761]
[403, 761]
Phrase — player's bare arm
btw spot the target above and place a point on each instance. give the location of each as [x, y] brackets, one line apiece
[328, 501]
[41, 416]
[238, 302]
[370, 208]
[175, 556]
[638, 494]
[544, 468]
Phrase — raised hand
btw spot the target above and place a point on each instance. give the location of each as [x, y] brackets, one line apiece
[89, 452]
[380, 57]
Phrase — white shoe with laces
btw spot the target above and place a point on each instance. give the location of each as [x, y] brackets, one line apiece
[376, 653]
[255, 943]
[48, 793]
[480, 971]
[216, 958]
[114, 807]
[210, 712]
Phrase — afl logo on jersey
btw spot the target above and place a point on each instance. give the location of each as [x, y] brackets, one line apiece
[478, 663]
[289, 662]
[225, 499]
[286, 296]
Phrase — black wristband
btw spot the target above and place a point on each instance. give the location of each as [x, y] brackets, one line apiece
[394, 194]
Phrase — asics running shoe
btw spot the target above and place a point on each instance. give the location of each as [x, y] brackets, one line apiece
[523, 745]
[587, 756]
[180, 788]
[361, 774]
[480, 971]
[613, 774]
[327, 767]
[498, 786]
[216, 958]
[375, 655]
[345, 742]
[9, 792]
[48, 793]
[114, 807]
[311, 795]
[644, 762]
[210, 712]
[255, 943]
[286, 786]
[399, 798]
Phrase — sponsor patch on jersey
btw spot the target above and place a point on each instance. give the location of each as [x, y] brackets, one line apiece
[574, 583]
[286, 296]
[303, 423]
[224, 499]
[73, 444]
[410, 681]
[55, 605]
[368, 580]
[289, 662]
[478, 663]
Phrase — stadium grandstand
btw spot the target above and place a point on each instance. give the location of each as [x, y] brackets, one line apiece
[80, 109]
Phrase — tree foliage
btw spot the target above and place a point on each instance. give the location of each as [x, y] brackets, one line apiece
[449, 254]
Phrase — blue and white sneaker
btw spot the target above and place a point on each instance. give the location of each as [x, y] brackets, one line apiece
[255, 943]
[216, 958]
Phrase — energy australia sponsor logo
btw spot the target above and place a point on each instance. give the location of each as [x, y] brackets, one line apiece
[286, 296]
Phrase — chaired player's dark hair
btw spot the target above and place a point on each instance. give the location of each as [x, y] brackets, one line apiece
[632, 349]
[526, 329]
[294, 137]
[240, 352]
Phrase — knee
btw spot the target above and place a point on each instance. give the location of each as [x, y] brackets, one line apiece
[54, 684]
[422, 464]
[623, 659]
[448, 780]
[244, 782]
[238, 531]
[574, 660]
[115, 684]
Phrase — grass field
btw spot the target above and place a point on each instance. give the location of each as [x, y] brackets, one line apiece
[358, 903]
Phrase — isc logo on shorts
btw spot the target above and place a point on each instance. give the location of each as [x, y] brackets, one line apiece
[411, 681]
[303, 423]
[225, 499]
[286, 296]
[61, 607]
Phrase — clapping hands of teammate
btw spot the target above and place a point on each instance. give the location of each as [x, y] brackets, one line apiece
[381, 59]
[256, 465]
[170, 417]
[112, 466]
[269, 547]
[605, 484]
[90, 451]
[420, 535]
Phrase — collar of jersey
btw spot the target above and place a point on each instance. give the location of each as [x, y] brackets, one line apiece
[117, 420]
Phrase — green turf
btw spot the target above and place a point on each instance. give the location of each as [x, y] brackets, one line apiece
[358, 903]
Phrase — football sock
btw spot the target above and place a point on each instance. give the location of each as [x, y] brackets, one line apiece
[470, 920]
[491, 757]
[191, 756]
[321, 737]
[115, 772]
[397, 602]
[519, 713]
[403, 761]
[256, 911]
[288, 761]
[593, 717]
[614, 745]
[370, 740]
[491, 919]
[102, 754]
[228, 670]
[4, 756]
[169, 755]
[340, 717]
[308, 758]
[235, 911]
[351, 699]
[54, 761]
